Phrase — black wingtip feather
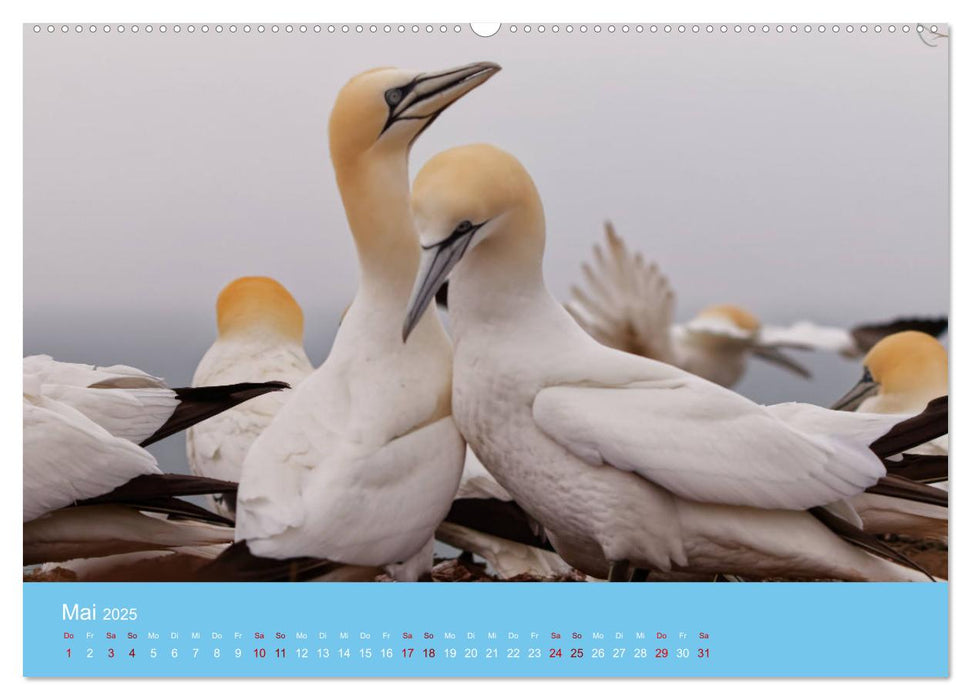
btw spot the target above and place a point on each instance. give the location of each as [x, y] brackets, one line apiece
[155, 486]
[196, 404]
[237, 563]
[924, 469]
[854, 535]
[503, 519]
[928, 425]
[900, 487]
[868, 335]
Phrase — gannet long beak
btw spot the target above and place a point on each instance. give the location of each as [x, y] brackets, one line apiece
[862, 390]
[437, 260]
[431, 93]
[776, 357]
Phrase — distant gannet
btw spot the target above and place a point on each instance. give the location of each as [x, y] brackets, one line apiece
[624, 461]
[902, 374]
[260, 338]
[628, 304]
[361, 464]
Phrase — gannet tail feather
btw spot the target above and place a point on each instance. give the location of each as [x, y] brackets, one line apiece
[900, 487]
[926, 426]
[868, 335]
[177, 509]
[199, 403]
[237, 563]
[858, 537]
[924, 469]
[148, 487]
[503, 519]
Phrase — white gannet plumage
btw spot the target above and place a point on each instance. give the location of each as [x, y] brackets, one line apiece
[68, 457]
[628, 304]
[507, 558]
[623, 460]
[260, 339]
[362, 462]
[125, 401]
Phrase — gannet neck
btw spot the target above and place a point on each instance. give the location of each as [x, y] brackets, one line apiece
[502, 277]
[375, 193]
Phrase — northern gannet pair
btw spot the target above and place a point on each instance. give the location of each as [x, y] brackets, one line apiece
[625, 461]
[85, 429]
[362, 462]
[260, 337]
[628, 304]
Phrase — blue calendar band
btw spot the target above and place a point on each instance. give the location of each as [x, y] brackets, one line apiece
[483, 629]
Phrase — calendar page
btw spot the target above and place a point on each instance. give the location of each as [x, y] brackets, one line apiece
[485, 350]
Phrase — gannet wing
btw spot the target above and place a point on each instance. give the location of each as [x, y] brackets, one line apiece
[313, 485]
[75, 374]
[132, 414]
[708, 444]
[100, 530]
[68, 457]
[477, 482]
[853, 342]
[627, 304]
[806, 335]
[866, 336]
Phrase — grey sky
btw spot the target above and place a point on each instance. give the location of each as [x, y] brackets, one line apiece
[802, 176]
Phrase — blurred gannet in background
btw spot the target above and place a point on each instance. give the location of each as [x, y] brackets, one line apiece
[90, 487]
[362, 462]
[623, 460]
[629, 305]
[260, 338]
[903, 373]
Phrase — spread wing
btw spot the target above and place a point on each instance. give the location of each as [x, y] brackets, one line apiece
[853, 342]
[708, 444]
[627, 304]
[68, 458]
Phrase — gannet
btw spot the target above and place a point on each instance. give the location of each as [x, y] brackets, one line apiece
[260, 338]
[623, 460]
[84, 429]
[902, 374]
[628, 304]
[362, 462]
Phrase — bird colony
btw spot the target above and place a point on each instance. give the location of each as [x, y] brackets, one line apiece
[580, 439]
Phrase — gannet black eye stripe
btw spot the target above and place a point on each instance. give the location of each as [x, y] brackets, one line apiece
[465, 228]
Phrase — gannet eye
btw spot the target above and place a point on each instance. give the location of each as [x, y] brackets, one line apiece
[867, 377]
[393, 96]
[463, 227]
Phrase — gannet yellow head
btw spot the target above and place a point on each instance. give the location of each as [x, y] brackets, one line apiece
[735, 315]
[905, 369]
[471, 197]
[258, 304]
[388, 108]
